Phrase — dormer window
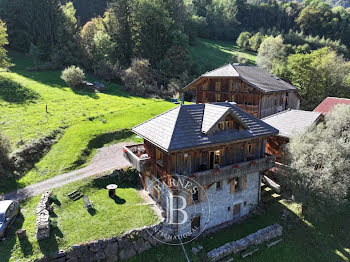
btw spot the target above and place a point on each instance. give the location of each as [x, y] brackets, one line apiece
[218, 86]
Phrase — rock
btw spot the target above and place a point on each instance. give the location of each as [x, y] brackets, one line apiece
[126, 253]
[111, 250]
[100, 255]
[139, 245]
[94, 246]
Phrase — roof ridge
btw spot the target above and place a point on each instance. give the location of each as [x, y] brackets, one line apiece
[176, 123]
[171, 109]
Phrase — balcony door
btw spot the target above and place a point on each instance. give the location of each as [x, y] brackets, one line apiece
[214, 159]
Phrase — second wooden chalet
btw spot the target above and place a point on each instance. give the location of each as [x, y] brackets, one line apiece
[219, 146]
[254, 90]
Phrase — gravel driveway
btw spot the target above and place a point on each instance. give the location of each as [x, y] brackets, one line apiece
[106, 159]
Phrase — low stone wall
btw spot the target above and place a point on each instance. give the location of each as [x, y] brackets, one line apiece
[42, 227]
[110, 249]
[256, 238]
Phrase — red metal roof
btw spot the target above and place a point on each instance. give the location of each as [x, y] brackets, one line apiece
[329, 103]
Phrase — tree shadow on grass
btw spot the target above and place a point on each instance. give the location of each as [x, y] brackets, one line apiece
[100, 141]
[89, 93]
[50, 245]
[14, 92]
[316, 237]
[7, 245]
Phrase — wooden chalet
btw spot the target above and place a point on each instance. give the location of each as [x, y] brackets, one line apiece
[254, 90]
[218, 145]
[289, 123]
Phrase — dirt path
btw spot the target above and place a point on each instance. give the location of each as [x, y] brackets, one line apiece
[106, 159]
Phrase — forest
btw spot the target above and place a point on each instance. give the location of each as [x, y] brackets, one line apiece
[146, 43]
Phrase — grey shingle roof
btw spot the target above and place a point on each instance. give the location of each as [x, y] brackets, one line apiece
[212, 113]
[181, 127]
[290, 122]
[262, 79]
[224, 71]
[254, 75]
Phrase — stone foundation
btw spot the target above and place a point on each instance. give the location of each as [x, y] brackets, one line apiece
[110, 249]
[42, 228]
[256, 238]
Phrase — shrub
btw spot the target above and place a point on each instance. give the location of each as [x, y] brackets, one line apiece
[139, 79]
[4, 155]
[243, 40]
[239, 59]
[73, 76]
[255, 41]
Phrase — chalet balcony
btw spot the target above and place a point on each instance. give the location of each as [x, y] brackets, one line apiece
[137, 156]
[211, 176]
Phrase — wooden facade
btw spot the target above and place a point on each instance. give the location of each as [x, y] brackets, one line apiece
[247, 97]
[275, 146]
[164, 165]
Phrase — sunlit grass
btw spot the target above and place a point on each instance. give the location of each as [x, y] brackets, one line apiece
[74, 223]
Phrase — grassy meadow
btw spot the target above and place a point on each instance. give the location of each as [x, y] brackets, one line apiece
[83, 117]
[88, 120]
[210, 54]
[71, 223]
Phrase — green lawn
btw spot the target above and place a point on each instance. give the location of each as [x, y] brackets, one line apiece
[84, 117]
[74, 223]
[304, 240]
[210, 54]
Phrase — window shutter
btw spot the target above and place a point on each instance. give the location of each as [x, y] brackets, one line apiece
[202, 195]
[232, 187]
[189, 197]
[245, 182]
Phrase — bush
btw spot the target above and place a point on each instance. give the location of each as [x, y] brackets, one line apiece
[73, 76]
[243, 40]
[4, 155]
[139, 78]
[239, 59]
[255, 41]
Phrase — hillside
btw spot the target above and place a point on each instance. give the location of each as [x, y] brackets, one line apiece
[208, 54]
[87, 120]
[82, 116]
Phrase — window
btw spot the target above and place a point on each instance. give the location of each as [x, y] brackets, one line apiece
[237, 184]
[159, 157]
[214, 159]
[205, 97]
[232, 85]
[218, 86]
[218, 98]
[236, 210]
[196, 224]
[195, 196]
[218, 185]
[221, 126]
[205, 86]
[250, 152]
[232, 98]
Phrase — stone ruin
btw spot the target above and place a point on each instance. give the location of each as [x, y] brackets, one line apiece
[42, 228]
[256, 238]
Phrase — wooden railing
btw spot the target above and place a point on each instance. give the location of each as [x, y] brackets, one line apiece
[133, 154]
[211, 176]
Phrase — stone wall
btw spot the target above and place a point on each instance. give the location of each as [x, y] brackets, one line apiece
[217, 208]
[256, 238]
[110, 249]
[42, 227]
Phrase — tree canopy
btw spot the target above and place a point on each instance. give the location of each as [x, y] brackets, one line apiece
[320, 161]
